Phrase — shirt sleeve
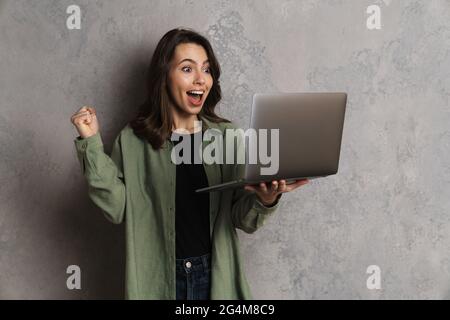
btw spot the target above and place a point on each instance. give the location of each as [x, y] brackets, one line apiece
[104, 175]
[248, 213]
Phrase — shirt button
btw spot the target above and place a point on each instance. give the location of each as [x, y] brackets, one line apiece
[188, 264]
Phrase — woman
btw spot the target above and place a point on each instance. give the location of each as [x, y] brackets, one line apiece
[179, 244]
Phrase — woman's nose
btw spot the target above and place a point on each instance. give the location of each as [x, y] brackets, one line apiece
[199, 78]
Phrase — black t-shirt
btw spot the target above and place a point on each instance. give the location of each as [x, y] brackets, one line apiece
[191, 208]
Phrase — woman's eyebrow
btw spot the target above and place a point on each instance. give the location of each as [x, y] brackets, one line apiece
[190, 60]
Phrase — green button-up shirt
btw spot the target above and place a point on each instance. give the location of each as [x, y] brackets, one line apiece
[136, 184]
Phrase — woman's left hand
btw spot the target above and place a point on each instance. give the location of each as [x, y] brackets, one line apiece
[268, 196]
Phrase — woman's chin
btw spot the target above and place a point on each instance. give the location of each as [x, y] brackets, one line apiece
[187, 109]
[193, 110]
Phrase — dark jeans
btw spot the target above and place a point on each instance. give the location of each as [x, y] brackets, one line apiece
[194, 278]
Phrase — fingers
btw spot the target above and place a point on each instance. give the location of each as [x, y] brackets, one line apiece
[260, 188]
[297, 184]
[263, 187]
[92, 111]
[276, 187]
[79, 114]
[83, 115]
[282, 187]
[83, 118]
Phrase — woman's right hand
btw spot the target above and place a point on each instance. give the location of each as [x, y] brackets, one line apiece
[85, 120]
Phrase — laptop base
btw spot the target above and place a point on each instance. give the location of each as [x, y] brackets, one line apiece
[241, 183]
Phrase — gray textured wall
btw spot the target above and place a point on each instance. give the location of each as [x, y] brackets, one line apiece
[388, 205]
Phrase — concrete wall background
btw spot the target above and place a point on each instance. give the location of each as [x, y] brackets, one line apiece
[388, 205]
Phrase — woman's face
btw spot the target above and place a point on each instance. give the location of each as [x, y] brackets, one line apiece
[189, 71]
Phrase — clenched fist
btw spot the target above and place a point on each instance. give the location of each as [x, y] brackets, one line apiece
[85, 120]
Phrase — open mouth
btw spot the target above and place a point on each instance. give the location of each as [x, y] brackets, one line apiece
[195, 96]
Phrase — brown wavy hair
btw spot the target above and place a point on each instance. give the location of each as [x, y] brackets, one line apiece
[154, 120]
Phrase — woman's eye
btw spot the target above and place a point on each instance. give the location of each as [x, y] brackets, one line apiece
[207, 69]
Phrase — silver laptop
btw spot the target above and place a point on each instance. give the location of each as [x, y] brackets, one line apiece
[310, 133]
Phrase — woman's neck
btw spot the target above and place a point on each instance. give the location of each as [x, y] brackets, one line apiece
[185, 123]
